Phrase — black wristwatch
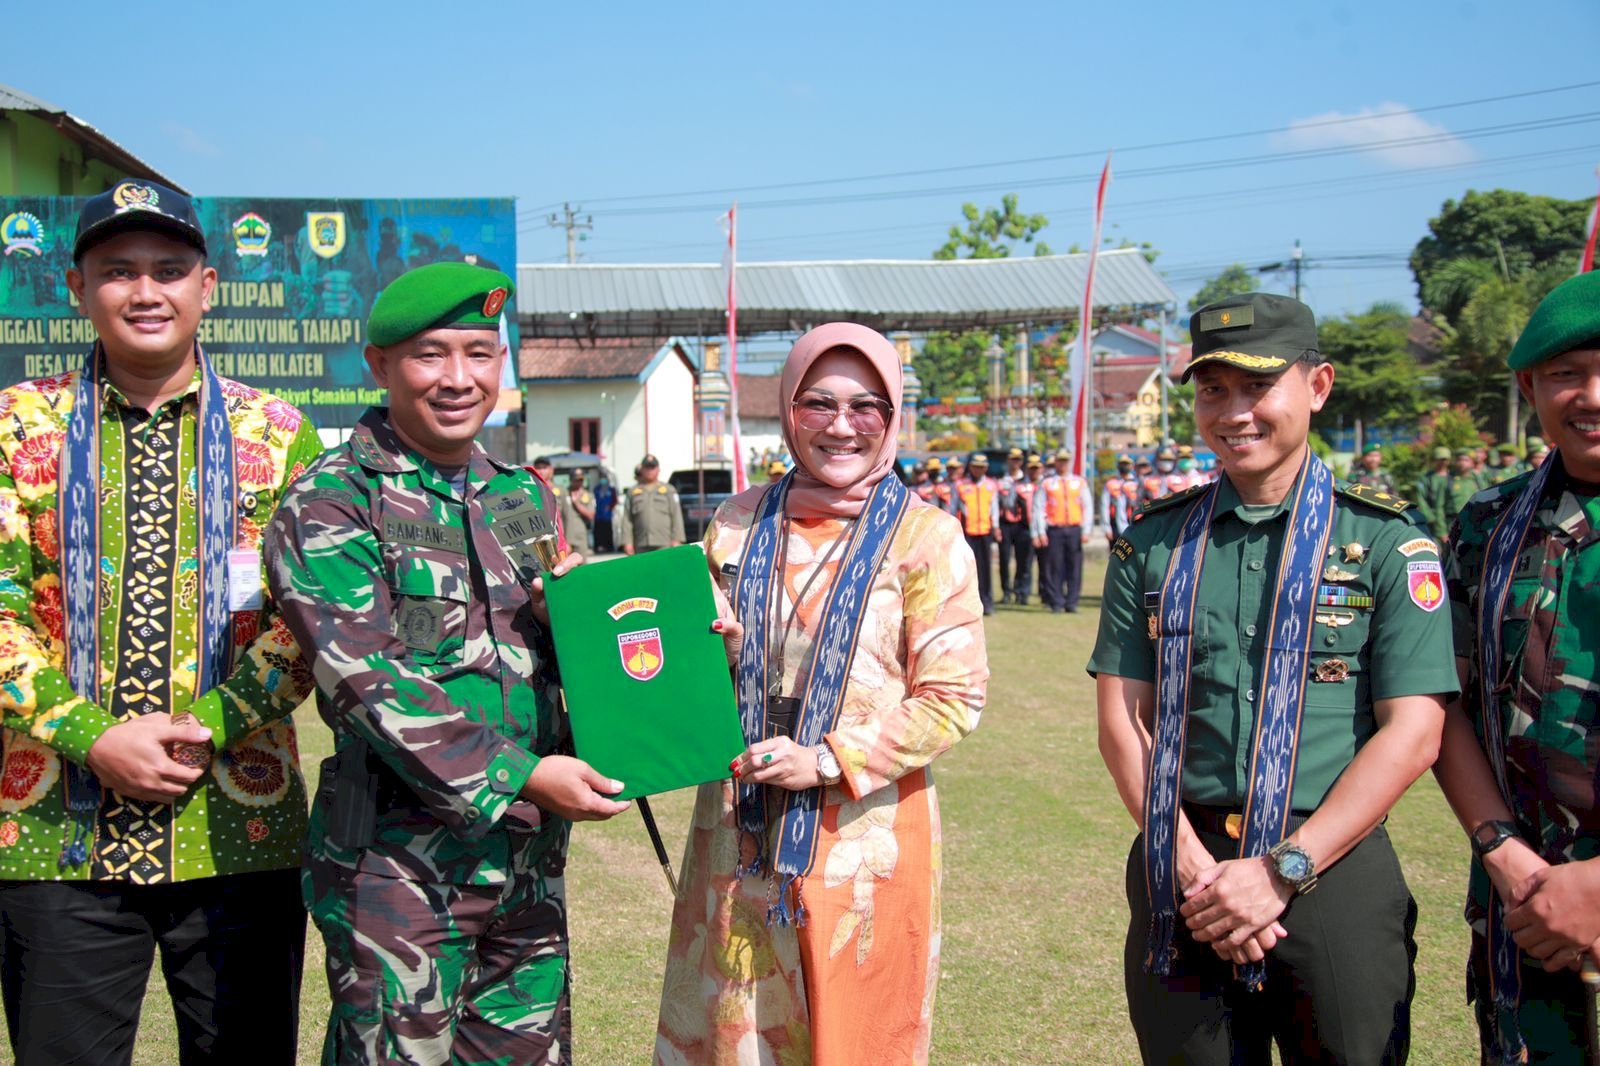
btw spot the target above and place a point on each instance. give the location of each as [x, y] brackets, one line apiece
[1486, 836]
[1293, 867]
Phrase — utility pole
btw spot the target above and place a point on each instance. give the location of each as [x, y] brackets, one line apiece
[1165, 426]
[1296, 263]
[573, 228]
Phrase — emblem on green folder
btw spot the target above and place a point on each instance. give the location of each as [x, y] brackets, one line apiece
[641, 653]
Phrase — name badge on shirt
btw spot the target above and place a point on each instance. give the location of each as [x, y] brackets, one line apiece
[244, 580]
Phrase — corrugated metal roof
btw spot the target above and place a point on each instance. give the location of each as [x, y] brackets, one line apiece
[98, 143]
[655, 300]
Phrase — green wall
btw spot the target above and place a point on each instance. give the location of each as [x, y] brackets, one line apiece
[36, 159]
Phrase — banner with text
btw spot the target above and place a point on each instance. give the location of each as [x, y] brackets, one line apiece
[296, 279]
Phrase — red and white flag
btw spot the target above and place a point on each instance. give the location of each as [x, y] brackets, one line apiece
[1078, 377]
[730, 266]
[1586, 264]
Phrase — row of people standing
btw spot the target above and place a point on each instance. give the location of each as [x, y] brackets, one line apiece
[1039, 523]
[1456, 476]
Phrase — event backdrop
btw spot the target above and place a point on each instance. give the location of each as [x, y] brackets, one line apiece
[296, 279]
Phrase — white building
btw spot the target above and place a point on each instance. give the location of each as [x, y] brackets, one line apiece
[619, 398]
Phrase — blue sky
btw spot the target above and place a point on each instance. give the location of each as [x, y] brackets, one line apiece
[611, 106]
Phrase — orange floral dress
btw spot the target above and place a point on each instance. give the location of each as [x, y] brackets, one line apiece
[861, 972]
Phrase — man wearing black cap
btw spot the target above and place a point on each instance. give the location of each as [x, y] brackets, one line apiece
[1271, 666]
[152, 795]
[649, 516]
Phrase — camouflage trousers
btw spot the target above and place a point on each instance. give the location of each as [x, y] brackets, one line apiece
[1551, 1015]
[426, 973]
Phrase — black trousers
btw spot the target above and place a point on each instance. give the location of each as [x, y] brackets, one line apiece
[75, 957]
[983, 555]
[1063, 566]
[1016, 560]
[603, 539]
[1338, 988]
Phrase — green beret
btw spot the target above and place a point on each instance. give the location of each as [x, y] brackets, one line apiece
[1369, 449]
[1567, 319]
[1505, 447]
[454, 295]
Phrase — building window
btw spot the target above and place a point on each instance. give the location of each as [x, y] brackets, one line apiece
[583, 435]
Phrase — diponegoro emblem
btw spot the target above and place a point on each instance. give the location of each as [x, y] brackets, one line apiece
[641, 653]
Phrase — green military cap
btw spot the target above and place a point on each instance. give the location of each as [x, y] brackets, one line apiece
[1369, 449]
[1461, 452]
[1259, 332]
[1441, 453]
[1567, 319]
[1537, 444]
[454, 295]
[1506, 448]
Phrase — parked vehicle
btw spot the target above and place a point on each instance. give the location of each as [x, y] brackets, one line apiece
[700, 492]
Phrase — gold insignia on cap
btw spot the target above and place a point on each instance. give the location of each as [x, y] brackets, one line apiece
[1332, 670]
[1355, 552]
[1227, 317]
[133, 197]
[493, 302]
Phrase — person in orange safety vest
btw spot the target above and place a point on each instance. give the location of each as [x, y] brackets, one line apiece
[1017, 489]
[979, 511]
[1119, 498]
[1062, 514]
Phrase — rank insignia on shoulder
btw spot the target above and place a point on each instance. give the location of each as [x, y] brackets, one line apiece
[1122, 549]
[1177, 497]
[1383, 501]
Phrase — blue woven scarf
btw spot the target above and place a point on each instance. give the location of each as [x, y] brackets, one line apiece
[759, 586]
[1277, 729]
[1500, 560]
[78, 489]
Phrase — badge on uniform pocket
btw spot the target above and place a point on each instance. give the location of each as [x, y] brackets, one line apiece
[419, 621]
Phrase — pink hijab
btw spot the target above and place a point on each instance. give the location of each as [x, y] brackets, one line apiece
[810, 497]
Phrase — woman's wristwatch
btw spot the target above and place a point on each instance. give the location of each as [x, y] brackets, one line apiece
[827, 765]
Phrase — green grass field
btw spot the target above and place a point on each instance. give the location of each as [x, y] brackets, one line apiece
[1035, 841]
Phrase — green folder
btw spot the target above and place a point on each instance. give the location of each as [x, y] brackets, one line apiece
[646, 680]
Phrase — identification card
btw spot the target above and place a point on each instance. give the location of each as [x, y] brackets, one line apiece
[244, 580]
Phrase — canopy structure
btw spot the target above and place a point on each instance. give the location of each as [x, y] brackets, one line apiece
[588, 301]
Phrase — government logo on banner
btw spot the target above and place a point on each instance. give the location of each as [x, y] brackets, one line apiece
[325, 230]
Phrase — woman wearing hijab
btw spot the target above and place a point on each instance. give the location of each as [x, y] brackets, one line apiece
[806, 927]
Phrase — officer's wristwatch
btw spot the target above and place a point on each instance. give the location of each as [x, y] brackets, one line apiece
[827, 765]
[1486, 836]
[1293, 867]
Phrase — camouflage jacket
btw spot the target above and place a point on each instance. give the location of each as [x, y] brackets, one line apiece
[439, 685]
[248, 812]
[1548, 699]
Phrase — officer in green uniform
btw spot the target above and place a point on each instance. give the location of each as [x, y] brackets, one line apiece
[1518, 762]
[1371, 473]
[1272, 665]
[1510, 463]
[1466, 481]
[411, 564]
[1538, 450]
[649, 516]
[1432, 492]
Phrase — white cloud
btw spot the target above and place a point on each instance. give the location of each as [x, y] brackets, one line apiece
[1378, 125]
[190, 140]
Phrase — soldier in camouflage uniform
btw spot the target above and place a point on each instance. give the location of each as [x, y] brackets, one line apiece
[407, 559]
[1519, 767]
[1432, 492]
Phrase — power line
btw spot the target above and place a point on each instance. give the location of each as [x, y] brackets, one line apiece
[1089, 153]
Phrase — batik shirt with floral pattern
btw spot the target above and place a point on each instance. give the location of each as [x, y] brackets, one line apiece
[247, 812]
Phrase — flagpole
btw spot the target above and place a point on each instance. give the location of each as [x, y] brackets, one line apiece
[1586, 263]
[1082, 371]
[741, 479]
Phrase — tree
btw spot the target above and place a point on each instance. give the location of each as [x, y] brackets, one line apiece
[992, 232]
[1233, 281]
[1523, 232]
[1376, 379]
